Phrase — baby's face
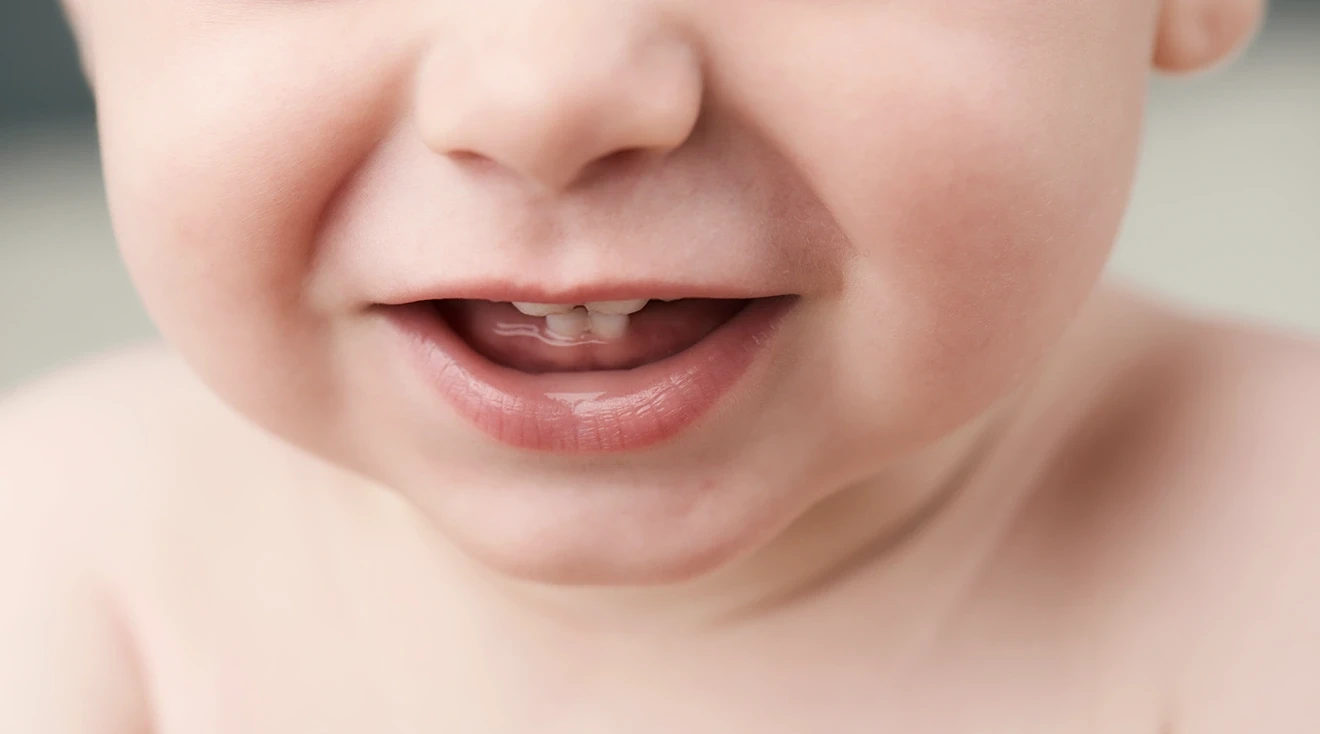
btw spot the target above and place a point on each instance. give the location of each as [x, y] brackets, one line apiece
[325, 205]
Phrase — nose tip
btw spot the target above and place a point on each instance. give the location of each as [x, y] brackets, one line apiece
[550, 107]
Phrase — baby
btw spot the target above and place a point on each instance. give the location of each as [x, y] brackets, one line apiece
[597, 366]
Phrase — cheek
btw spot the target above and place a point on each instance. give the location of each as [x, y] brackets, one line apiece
[221, 156]
[996, 228]
[981, 186]
[1006, 227]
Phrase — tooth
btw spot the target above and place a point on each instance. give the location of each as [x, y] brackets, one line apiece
[615, 308]
[609, 326]
[570, 325]
[543, 309]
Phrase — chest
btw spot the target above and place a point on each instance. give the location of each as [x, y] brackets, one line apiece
[266, 627]
[308, 655]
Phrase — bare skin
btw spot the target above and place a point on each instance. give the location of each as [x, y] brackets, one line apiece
[943, 501]
[1136, 552]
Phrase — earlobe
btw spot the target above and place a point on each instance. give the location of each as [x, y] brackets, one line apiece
[1194, 35]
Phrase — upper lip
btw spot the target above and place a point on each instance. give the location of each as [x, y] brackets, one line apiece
[578, 293]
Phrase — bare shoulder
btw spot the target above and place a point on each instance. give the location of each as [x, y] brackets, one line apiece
[91, 453]
[81, 448]
[1256, 655]
[77, 450]
[1252, 403]
[1178, 512]
[100, 424]
[117, 466]
[119, 479]
[1259, 389]
[146, 375]
[1208, 449]
[108, 472]
[1223, 398]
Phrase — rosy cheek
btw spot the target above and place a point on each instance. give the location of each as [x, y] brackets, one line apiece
[978, 218]
[221, 160]
[220, 172]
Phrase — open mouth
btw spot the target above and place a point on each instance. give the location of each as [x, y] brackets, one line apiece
[615, 335]
[586, 377]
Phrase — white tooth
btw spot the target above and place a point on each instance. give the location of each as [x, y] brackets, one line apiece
[543, 309]
[569, 325]
[618, 307]
[609, 326]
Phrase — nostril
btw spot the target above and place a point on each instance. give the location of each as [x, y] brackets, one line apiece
[612, 164]
[475, 163]
[472, 159]
[464, 156]
[618, 161]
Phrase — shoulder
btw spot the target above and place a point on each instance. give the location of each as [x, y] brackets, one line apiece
[111, 411]
[1256, 655]
[1182, 495]
[113, 468]
[84, 449]
[1164, 396]
[1253, 401]
[1212, 398]
[108, 463]
[1233, 424]
[134, 410]
[75, 450]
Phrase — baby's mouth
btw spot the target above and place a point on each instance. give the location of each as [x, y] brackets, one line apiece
[615, 335]
[590, 376]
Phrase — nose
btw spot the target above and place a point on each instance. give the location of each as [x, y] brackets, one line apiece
[565, 86]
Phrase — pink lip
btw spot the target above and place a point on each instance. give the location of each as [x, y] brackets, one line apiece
[587, 412]
[569, 293]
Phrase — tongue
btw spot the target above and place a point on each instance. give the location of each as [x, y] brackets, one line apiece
[505, 336]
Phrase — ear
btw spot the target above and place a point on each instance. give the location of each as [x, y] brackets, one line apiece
[1194, 35]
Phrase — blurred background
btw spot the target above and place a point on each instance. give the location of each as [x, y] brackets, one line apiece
[1225, 216]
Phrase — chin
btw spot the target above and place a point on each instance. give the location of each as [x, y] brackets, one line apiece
[602, 535]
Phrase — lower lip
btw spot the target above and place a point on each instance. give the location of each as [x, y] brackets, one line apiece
[587, 412]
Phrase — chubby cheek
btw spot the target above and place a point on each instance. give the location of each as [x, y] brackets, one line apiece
[996, 229]
[219, 174]
[980, 186]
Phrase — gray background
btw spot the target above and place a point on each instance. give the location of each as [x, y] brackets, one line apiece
[1225, 216]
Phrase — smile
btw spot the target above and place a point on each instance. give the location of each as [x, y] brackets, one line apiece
[577, 375]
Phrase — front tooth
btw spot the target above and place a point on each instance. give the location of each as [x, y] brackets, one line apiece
[543, 309]
[615, 308]
[570, 325]
[608, 326]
